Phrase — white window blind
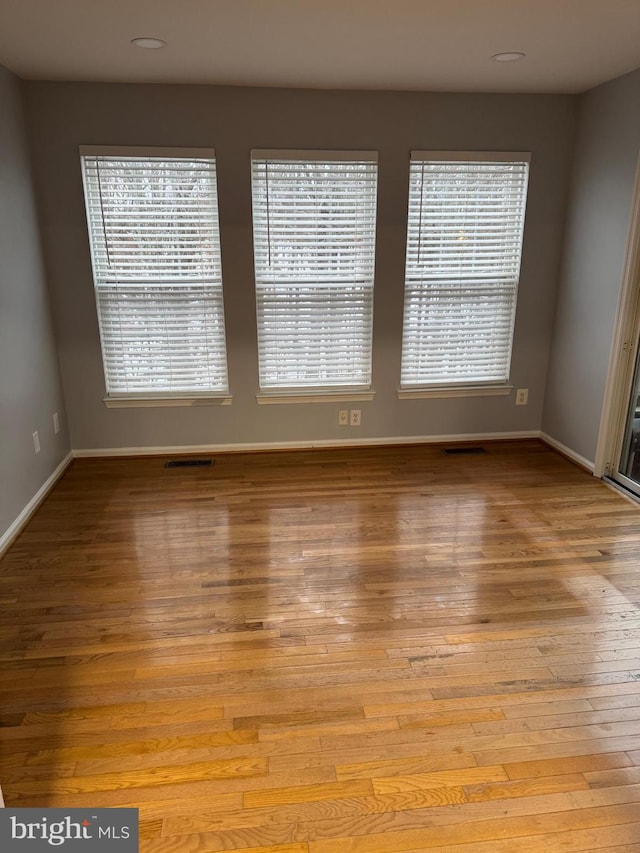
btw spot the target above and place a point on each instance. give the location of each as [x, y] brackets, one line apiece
[314, 221]
[155, 245]
[464, 240]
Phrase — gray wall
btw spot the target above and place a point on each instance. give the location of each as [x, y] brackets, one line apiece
[63, 116]
[606, 157]
[29, 382]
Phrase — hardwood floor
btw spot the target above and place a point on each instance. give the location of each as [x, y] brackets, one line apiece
[331, 652]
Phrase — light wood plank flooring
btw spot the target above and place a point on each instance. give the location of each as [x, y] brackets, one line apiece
[331, 652]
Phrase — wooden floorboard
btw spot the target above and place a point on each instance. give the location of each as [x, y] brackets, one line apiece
[337, 651]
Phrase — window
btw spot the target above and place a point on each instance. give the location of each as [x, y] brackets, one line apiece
[314, 221]
[464, 240]
[155, 246]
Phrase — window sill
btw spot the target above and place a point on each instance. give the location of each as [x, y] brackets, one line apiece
[266, 398]
[455, 391]
[160, 402]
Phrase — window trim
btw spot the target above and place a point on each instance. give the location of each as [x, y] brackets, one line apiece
[140, 399]
[328, 395]
[422, 392]
[317, 155]
[147, 151]
[474, 156]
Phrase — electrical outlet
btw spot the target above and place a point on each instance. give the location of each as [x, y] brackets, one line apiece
[522, 396]
[343, 417]
[56, 423]
[36, 441]
[356, 417]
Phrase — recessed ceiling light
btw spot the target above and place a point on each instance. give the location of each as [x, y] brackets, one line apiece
[514, 56]
[148, 43]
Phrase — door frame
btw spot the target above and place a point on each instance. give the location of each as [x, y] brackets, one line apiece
[624, 351]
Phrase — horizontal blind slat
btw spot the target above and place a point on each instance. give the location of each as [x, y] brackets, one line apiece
[464, 240]
[314, 244]
[154, 233]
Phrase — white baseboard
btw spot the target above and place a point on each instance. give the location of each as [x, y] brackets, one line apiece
[568, 452]
[14, 529]
[304, 445]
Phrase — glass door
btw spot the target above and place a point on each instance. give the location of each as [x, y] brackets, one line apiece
[628, 470]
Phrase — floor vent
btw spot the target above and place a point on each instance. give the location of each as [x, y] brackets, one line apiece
[463, 451]
[189, 463]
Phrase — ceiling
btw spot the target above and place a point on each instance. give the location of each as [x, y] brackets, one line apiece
[437, 45]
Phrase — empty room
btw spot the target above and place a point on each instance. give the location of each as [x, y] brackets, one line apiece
[320, 426]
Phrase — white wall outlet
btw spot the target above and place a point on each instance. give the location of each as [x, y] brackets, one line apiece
[56, 423]
[522, 396]
[36, 441]
[356, 417]
[343, 417]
